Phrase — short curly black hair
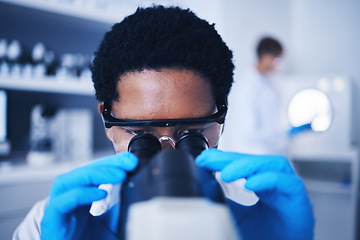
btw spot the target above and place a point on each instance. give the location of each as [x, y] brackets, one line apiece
[162, 37]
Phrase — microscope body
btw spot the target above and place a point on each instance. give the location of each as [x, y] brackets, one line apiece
[169, 197]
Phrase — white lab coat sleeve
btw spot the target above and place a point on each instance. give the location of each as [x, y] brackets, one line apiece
[29, 228]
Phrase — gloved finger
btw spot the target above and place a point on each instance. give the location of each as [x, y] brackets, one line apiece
[110, 170]
[282, 183]
[302, 128]
[237, 165]
[215, 159]
[125, 160]
[249, 165]
[71, 200]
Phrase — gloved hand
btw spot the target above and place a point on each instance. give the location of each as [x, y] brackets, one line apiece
[283, 211]
[67, 213]
[302, 128]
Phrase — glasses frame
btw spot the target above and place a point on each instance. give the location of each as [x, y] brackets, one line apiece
[110, 121]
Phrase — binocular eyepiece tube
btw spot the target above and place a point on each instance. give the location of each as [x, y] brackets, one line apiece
[145, 146]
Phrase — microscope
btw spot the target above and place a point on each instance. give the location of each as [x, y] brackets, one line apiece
[169, 197]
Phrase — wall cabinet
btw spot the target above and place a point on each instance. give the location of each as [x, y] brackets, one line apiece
[64, 32]
[333, 184]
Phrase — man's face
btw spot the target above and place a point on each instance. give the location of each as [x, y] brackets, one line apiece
[270, 62]
[164, 94]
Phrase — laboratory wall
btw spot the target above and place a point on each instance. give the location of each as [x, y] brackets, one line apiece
[321, 38]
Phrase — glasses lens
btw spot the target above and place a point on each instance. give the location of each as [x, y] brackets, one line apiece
[122, 135]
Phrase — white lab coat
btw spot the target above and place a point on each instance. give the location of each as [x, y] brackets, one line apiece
[29, 228]
[255, 123]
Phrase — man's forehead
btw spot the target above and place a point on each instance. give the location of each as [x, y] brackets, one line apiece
[177, 78]
[164, 84]
[167, 93]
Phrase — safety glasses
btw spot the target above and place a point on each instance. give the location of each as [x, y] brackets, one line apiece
[110, 121]
[121, 131]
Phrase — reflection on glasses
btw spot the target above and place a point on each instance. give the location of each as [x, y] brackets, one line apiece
[121, 135]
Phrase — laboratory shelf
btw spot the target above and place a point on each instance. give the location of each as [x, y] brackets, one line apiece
[332, 155]
[327, 187]
[49, 84]
[100, 11]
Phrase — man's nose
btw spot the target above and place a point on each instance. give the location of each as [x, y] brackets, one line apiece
[167, 143]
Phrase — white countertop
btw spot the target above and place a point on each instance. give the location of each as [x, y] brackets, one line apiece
[20, 174]
[13, 174]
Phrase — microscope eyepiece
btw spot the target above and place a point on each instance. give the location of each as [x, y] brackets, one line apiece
[144, 146]
[193, 143]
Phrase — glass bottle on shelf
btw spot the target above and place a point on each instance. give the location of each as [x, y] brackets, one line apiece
[4, 67]
[41, 131]
[14, 52]
[37, 58]
[51, 62]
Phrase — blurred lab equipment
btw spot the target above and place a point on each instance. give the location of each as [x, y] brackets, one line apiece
[327, 103]
[4, 144]
[73, 135]
[309, 109]
[59, 135]
[310, 106]
[41, 143]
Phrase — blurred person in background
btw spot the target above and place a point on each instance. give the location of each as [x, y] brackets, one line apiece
[162, 64]
[256, 120]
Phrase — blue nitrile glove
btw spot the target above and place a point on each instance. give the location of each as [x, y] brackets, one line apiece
[283, 211]
[302, 128]
[67, 214]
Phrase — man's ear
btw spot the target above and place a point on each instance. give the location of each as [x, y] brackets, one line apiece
[100, 109]
[223, 126]
[222, 130]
